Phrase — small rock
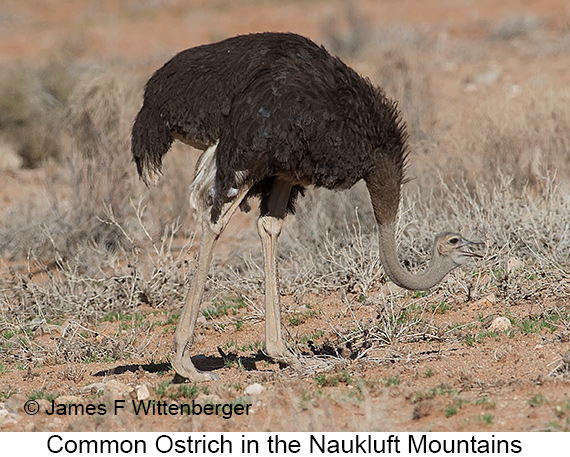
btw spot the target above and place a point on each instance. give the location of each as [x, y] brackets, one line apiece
[30, 427]
[117, 386]
[514, 264]
[487, 77]
[115, 390]
[93, 388]
[254, 389]
[210, 398]
[500, 324]
[6, 417]
[15, 402]
[488, 300]
[142, 392]
[67, 399]
[112, 389]
[10, 160]
[55, 424]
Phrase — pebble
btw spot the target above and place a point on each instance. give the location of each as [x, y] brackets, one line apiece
[142, 392]
[6, 417]
[488, 300]
[514, 264]
[500, 324]
[254, 389]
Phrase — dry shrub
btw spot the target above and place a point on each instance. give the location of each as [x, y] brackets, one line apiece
[100, 112]
[332, 243]
[92, 179]
[79, 181]
[516, 27]
[79, 298]
[347, 31]
[32, 103]
[397, 58]
[403, 58]
[93, 189]
[169, 200]
[103, 176]
[525, 136]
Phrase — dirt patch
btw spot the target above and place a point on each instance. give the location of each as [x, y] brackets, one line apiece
[476, 380]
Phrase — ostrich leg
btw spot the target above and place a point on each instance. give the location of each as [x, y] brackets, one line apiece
[184, 336]
[269, 228]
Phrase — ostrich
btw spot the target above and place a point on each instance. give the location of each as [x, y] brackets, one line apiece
[274, 113]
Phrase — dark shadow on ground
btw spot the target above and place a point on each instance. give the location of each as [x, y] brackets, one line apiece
[201, 362]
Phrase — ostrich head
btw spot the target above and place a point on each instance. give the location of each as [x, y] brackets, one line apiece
[450, 250]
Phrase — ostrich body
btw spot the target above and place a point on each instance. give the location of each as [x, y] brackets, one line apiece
[274, 113]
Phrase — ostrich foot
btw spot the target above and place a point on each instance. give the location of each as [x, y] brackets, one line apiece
[184, 367]
[282, 354]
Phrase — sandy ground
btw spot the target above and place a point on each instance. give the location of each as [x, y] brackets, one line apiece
[503, 383]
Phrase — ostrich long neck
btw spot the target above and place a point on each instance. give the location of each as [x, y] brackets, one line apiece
[394, 269]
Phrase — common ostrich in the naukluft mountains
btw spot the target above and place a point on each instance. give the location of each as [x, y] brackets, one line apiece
[274, 113]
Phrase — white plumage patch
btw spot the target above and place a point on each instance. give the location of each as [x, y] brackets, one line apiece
[202, 189]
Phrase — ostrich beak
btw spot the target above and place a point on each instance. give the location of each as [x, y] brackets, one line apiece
[466, 247]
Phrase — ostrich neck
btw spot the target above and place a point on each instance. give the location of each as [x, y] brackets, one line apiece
[394, 269]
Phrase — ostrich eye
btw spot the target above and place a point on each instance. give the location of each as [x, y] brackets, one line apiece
[454, 240]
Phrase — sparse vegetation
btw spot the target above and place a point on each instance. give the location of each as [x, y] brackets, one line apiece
[324, 380]
[485, 402]
[451, 409]
[224, 306]
[392, 381]
[433, 392]
[536, 400]
[43, 395]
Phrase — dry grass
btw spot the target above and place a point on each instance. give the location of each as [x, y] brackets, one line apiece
[100, 241]
[32, 103]
[523, 136]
